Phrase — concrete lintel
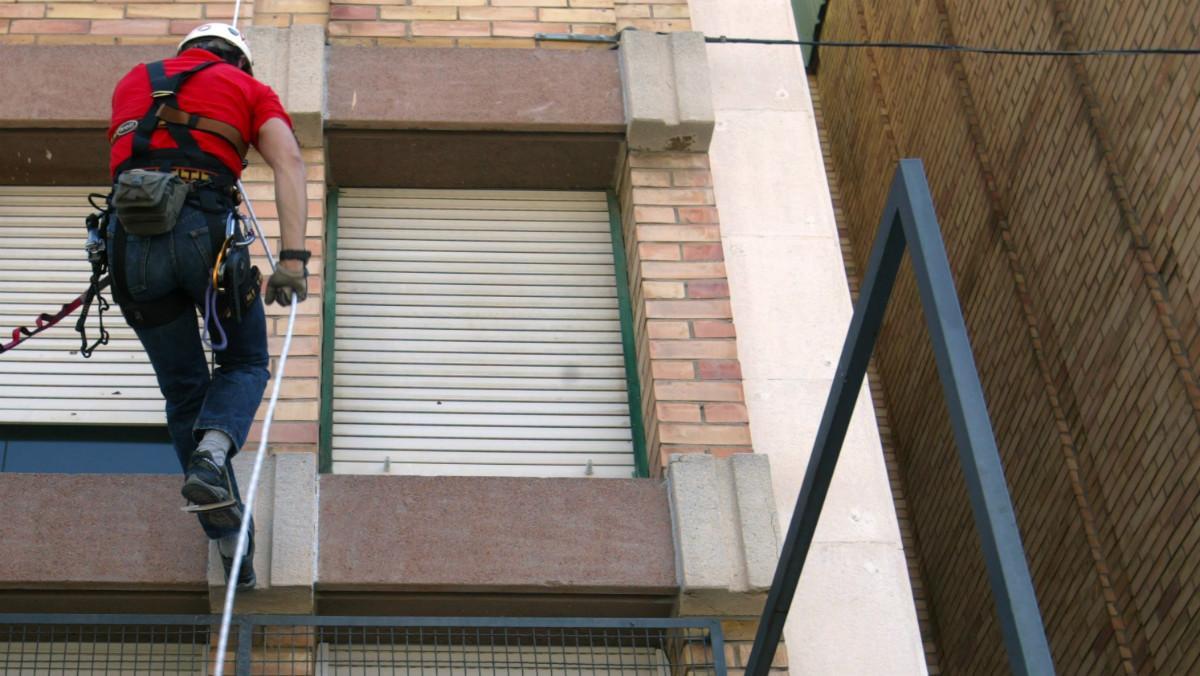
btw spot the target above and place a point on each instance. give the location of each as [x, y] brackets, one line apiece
[668, 98]
[292, 62]
[90, 532]
[726, 532]
[494, 535]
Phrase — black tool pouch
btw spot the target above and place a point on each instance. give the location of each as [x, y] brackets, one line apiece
[148, 202]
[232, 303]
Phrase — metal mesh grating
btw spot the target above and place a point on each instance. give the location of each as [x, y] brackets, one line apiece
[362, 646]
[42, 649]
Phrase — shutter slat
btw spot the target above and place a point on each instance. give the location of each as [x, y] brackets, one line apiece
[532, 469]
[478, 323]
[452, 358]
[451, 308]
[360, 194]
[495, 421]
[564, 373]
[393, 406]
[401, 236]
[349, 344]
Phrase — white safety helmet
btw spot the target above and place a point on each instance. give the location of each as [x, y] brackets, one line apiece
[224, 32]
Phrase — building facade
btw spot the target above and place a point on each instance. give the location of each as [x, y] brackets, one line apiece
[1066, 191]
[518, 387]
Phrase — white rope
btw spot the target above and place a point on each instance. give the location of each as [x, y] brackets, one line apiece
[248, 512]
[237, 8]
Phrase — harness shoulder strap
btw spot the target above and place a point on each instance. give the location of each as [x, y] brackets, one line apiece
[164, 108]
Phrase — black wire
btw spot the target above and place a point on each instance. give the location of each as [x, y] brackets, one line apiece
[928, 46]
[939, 47]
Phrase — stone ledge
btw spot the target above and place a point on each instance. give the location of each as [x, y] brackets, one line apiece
[98, 531]
[491, 535]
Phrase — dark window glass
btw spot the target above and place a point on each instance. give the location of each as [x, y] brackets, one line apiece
[87, 450]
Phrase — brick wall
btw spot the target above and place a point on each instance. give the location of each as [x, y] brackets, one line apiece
[687, 353]
[295, 427]
[653, 15]
[401, 23]
[56, 23]
[1066, 193]
[466, 23]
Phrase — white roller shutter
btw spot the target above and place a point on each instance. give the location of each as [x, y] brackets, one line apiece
[43, 266]
[477, 333]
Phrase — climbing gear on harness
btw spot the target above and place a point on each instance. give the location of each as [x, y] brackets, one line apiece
[98, 258]
[164, 111]
[222, 31]
[95, 253]
[235, 284]
[148, 202]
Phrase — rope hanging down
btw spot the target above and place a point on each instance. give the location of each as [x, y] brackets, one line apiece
[252, 493]
[927, 46]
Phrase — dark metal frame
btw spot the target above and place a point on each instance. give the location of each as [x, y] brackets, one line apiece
[244, 625]
[909, 220]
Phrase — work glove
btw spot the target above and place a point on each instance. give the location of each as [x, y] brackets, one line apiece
[283, 282]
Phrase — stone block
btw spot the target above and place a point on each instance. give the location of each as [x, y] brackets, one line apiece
[292, 62]
[726, 532]
[668, 98]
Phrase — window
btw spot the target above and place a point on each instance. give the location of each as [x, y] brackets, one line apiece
[476, 332]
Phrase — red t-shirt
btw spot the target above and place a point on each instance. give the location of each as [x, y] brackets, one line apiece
[222, 92]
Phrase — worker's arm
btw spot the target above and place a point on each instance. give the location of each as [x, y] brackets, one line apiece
[279, 148]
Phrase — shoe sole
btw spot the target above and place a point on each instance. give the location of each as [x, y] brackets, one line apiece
[200, 493]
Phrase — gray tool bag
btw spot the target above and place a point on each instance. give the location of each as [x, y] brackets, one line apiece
[148, 202]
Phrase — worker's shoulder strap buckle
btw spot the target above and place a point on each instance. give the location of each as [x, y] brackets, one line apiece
[162, 93]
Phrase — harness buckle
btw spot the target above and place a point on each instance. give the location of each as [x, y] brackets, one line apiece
[162, 93]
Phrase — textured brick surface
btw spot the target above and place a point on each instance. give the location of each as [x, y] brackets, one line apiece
[298, 411]
[391, 23]
[683, 322]
[468, 23]
[1066, 193]
[88, 22]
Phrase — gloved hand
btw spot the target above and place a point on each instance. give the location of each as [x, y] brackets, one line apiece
[284, 281]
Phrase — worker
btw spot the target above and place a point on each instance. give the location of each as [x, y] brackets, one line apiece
[180, 131]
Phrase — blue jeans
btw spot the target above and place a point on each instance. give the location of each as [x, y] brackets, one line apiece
[195, 400]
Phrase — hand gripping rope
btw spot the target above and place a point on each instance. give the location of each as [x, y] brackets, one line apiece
[252, 493]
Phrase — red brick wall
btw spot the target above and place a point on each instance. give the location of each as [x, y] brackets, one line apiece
[1066, 193]
[691, 379]
[295, 427]
[107, 23]
[401, 23]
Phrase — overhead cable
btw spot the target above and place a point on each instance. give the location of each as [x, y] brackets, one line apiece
[926, 46]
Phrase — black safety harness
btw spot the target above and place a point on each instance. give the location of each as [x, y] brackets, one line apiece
[213, 189]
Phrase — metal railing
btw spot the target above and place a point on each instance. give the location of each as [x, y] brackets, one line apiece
[909, 221]
[303, 644]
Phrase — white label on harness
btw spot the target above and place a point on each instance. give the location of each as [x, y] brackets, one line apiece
[126, 127]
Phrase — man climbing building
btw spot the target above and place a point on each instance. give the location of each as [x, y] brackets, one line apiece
[180, 131]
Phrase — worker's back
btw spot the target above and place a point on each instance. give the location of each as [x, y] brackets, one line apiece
[221, 92]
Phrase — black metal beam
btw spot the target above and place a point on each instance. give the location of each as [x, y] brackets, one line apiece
[909, 217]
